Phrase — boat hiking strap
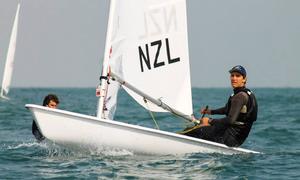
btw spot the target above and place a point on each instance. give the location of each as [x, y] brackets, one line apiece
[151, 114]
[189, 129]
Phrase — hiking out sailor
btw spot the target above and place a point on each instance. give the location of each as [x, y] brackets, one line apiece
[240, 113]
[51, 101]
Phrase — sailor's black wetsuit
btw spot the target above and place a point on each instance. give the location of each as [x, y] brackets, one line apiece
[36, 132]
[232, 130]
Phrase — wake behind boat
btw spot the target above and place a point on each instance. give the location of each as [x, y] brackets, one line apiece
[149, 59]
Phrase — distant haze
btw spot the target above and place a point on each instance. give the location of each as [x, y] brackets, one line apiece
[61, 42]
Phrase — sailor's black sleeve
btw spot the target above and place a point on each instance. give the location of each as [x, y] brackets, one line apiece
[221, 110]
[237, 102]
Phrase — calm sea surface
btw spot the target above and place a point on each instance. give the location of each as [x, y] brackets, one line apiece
[276, 133]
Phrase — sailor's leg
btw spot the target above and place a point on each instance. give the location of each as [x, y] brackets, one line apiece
[204, 132]
[36, 132]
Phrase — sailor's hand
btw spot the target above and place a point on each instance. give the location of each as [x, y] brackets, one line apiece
[205, 121]
[205, 111]
[195, 120]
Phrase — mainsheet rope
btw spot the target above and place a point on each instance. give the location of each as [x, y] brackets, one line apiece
[151, 114]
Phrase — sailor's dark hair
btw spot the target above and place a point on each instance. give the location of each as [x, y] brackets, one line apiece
[50, 97]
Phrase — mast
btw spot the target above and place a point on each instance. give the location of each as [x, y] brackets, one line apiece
[105, 64]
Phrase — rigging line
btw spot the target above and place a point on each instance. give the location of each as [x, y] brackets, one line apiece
[150, 112]
[196, 122]
[170, 109]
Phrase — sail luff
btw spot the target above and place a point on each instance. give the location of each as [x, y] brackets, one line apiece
[8, 68]
[105, 64]
[151, 99]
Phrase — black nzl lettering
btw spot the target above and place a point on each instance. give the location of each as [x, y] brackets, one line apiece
[143, 57]
[170, 60]
[157, 64]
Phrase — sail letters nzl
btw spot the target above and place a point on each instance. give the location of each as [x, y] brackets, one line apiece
[158, 21]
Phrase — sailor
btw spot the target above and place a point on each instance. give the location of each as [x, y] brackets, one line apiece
[51, 101]
[240, 113]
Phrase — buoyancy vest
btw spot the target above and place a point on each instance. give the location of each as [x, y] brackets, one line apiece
[251, 108]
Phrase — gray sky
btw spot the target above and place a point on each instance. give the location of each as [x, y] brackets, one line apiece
[60, 42]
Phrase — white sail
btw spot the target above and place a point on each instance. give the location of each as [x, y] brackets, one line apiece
[154, 51]
[8, 68]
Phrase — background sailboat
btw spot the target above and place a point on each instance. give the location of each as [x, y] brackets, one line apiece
[147, 52]
[9, 65]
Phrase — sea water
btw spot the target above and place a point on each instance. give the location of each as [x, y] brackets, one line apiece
[276, 134]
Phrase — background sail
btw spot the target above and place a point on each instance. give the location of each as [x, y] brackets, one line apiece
[154, 51]
[8, 68]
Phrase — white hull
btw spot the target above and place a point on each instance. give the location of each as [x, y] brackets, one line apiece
[73, 129]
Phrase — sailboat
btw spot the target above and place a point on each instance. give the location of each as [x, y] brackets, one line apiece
[146, 52]
[8, 68]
